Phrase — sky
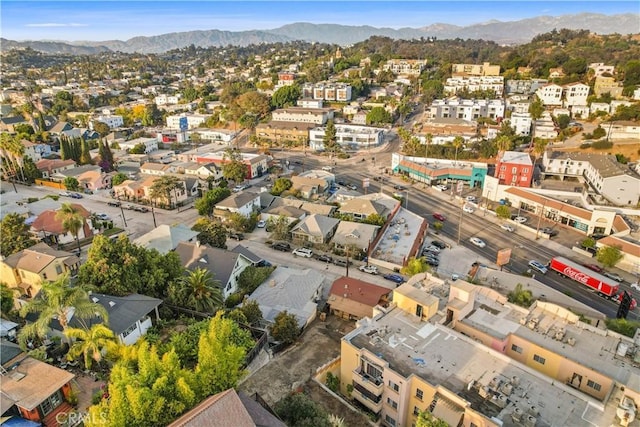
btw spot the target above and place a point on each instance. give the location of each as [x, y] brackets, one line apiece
[121, 19]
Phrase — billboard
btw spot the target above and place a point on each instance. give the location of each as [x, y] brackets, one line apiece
[366, 183]
[504, 256]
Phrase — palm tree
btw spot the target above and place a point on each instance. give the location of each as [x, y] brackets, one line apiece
[11, 155]
[56, 300]
[428, 138]
[91, 343]
[72, 220]
[199, 291]
[162, 187]
[458, 142]
[503, 143]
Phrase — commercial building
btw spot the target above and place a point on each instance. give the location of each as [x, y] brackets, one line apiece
[318, 116]
[514, 168]
[434, 171]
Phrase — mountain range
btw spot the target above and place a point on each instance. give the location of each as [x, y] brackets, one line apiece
[511, 32]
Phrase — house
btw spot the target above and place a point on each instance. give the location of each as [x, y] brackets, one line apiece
[129, 190]
[599, 68]
[31, 389]
[243, 202]
[361, 208]
[54, 166]
[229, 408]
[257, 164]
[454, 85]
[315, 229]
[8, 124]
[550, 94]
[556, 73]
[575, 94]
[94, 179]
[467, 109]
[514, 168]
[355, 235]
[521, 123]
[327, 91]
[141, 190]
[203, 171]
[114, 121]
[27, 269]
[308, 186]
[623, 129]
[8, 330]
[355, 299]
[294, 290]
[408, 67]
[256, 260]
[484, 69]
[157, 169]
[291, 213]
[59, 128]
[34, 150]
[165, 238]
[186, 121]
[49, 227]
[225, 266]
[608, 85]
[150, 144]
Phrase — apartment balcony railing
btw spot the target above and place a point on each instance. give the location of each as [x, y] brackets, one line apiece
[371, 384]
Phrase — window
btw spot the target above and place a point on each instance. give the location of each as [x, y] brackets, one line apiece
[58, 269]
[392, 403]
[503, 168]
[44, 276]
[416, 411]
[594, 385]
[514, 170]
[525, 170]
[129, 330]
[516, 348]
[394, 386]
[539, 359]
[390, 420]
[419, 394]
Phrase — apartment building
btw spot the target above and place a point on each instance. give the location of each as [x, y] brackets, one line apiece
[327, 91]
[222, 136]
[514, 168]
[285, 132]
[167, 99]
[550, 94]
[454, 85]
[286, 79]
[150, 144]
[467, 109]
[113, 121]
[520, 123]
[608, 85]
[525, 87]
[575, 94]
[614, 181]
[405, 67]
[193, 120]
[484, 69]
[318, 116]
[348, 136]
[474, 365]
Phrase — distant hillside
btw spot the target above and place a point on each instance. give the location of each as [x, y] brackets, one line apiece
[514, 32]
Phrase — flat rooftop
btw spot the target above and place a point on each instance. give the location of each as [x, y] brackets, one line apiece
[444, 357]
[399, 238]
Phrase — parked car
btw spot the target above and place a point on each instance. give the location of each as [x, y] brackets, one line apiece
[432, 248]
[468, 209]
[441, 187]
[538, 266]
[240, 187]
[635, 286]
[521, 219]
[342, 262]
[439, 244]
[352, 187]
[432, 262]
[550, 231]
[327, 168]
[261, 224]
[342, 183]
[64, 194]
[75, 195]
[613, 276]
[439, 216]
[594, 267]
[141, 209]
[324, 258]
[471, 199]
[478, 242]
[236, 236]
[507, 227]
[281, 246]
[371, 269]
[394, 278]
[130, 207]
[114, 204]
[103, 217]
[303, 252]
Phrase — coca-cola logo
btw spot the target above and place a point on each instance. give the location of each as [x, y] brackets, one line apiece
[576, 275]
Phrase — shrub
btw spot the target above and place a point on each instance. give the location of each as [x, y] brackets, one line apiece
[233, 300]
[602, 145]
[585, 145]
[333, 382]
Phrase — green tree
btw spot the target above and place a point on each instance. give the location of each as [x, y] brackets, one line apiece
[6, 300]
[298, 409]
[426, 419]
[11, 155]
[210, 199]
[119, 178]
[520, 296]
[16, 235]
[589, 243]
[285, 327]
[221, 353]
[378, 116]
[72, 220]
[71, 183]
[31, 172]
[54, 301]
[415, 266]
[85, 155]
[251, 311]
[458, 142]
[374, 219]
[138, 149]
[234, 168]
[286, 96]
[252, 277]
[503, 212]
[102, 128]
[91, 343]
[280, 186]
[329, 139]
[253, 102]
[198, 290]
[211, 233]
[563, 121]
[609, 256]
[278, 227]
[163, 186]
[504, 143]
[538, 147]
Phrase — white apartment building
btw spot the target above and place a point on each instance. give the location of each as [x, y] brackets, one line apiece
[521, 123]
[614, 181]
[193, 120]
[467, 109]
[168, 99]
[318, 116]
[407, 67]
[550, 94]
[310, 103]
[348, 136]
[224, 136]
[151, 144]
[472, 84]
[599, 68]
[113, 121]
[327, 91]
[526, 87]
[575, 94]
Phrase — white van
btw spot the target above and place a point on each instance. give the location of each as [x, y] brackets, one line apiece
[327, 168]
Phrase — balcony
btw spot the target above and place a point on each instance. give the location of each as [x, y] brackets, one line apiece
[371, 384]
[374, 404]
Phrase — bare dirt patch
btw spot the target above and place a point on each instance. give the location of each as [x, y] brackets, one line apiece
[631, 150]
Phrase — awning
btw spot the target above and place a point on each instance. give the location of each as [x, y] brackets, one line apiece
[448, 411]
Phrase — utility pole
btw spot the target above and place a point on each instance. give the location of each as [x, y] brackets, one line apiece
[544, 205]
[460, 222]
[122, 212]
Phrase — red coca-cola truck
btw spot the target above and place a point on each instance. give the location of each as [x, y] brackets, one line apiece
[601, 284]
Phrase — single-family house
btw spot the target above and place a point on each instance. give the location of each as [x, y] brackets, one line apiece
[361, 208]
[255, 259]
[226, 266]
[35, 150]
[8, 124]
[291, 289]
[291, 213]
[308, 186]
[76, 172]
[32, 390]
[354, 235]
[355, 299]
[550, 94]
[47, 226]
[94, 179]
[50, 167]
[129, 190]
[176, 196]
[204, 171]
[165, 238]
[27, 269]
[243, 202]
[8, 330]
[315, 229]
[158, 169]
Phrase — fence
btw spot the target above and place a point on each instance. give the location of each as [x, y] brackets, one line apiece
[58, 185]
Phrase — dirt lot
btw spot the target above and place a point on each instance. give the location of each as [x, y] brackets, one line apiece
[292, 369]
[631, 150]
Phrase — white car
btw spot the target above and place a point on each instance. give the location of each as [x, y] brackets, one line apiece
[441, 187]
[327, 168]
[507, 227]
[371, 269]
[635, 286]
[103, 217]
[478, 242]
[64, 194]
[468, 209]
[471, 199]
[261, 224]
[432, 248]
[538, 266]
[303, 252]
[521, 219]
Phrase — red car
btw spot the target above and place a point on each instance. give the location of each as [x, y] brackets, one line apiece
[594, 267]
[439, 217]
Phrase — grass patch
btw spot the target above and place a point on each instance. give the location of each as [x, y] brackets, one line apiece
[111, 231]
